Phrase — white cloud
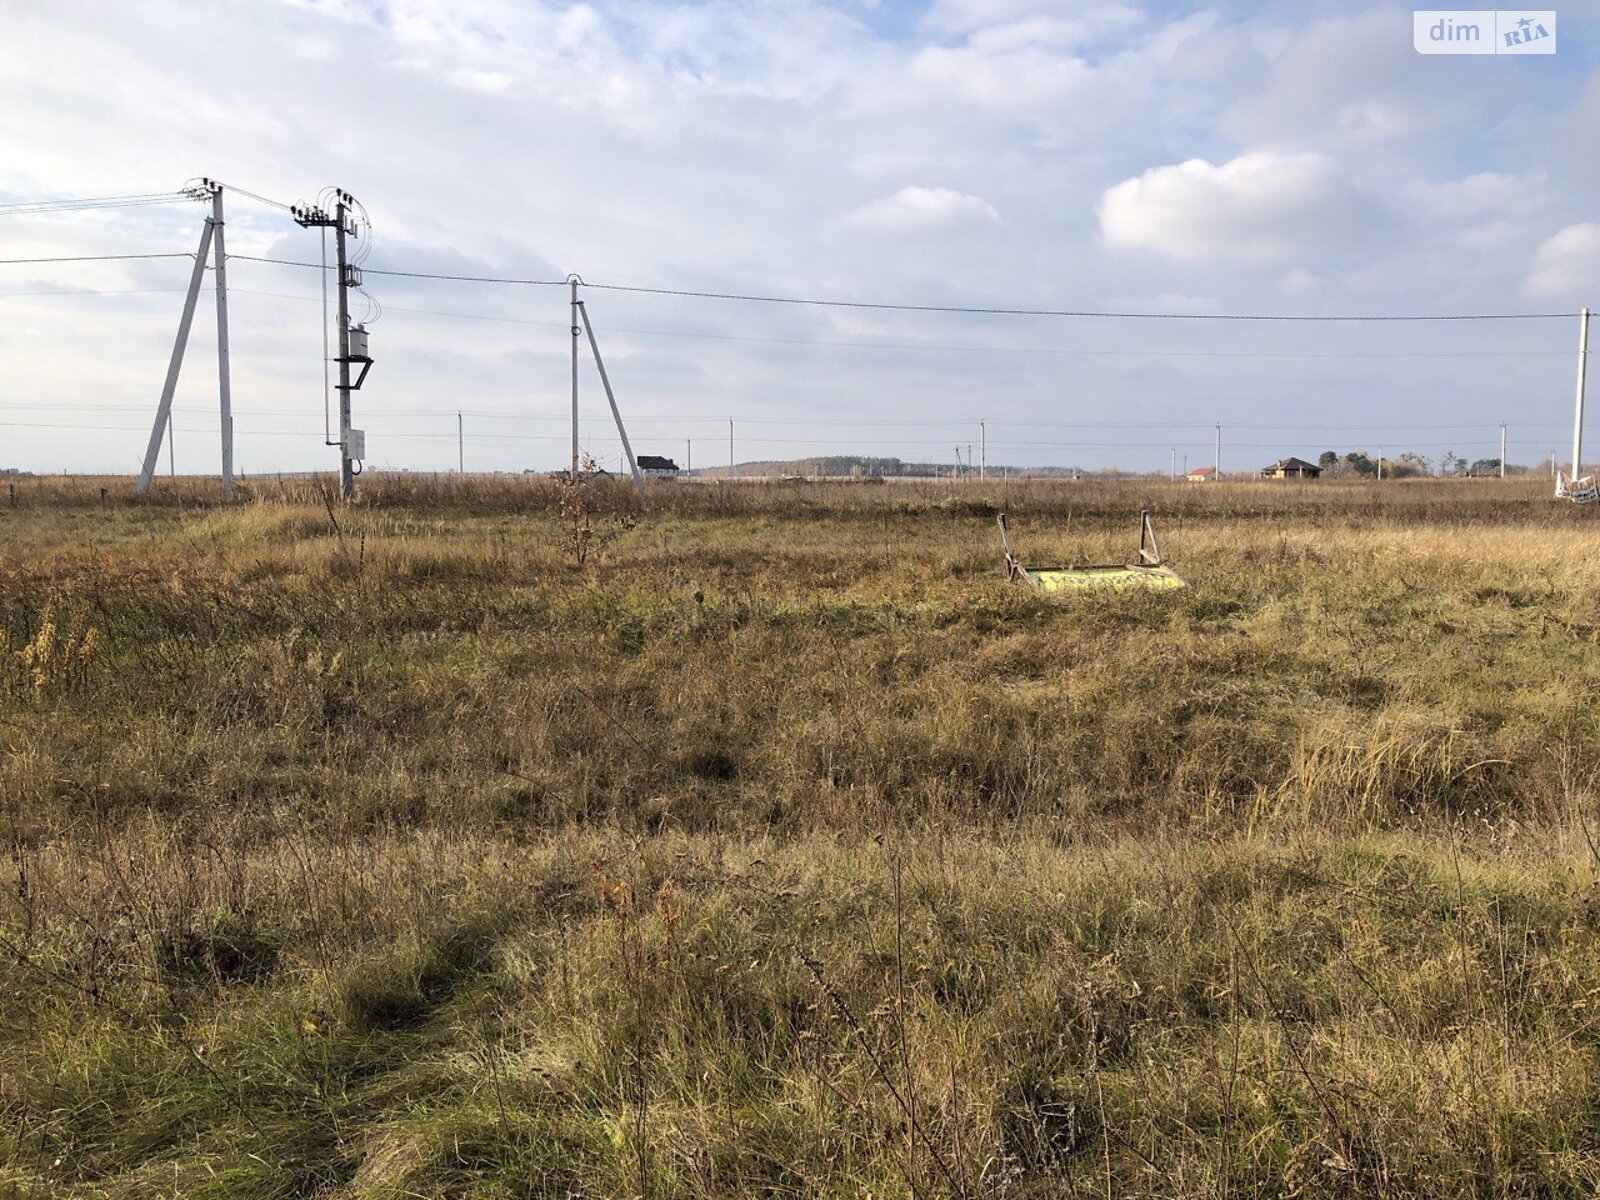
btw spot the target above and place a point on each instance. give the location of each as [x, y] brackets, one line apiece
[1353, 80]
[1082, 17]
[1259, 207]
[1566, 264]
[916, 209]
[492, 83]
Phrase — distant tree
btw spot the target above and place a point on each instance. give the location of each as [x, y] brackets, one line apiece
[1485, 466]
[1360, 464]
[1328, 459]
[1408, 466]
[1452, 464]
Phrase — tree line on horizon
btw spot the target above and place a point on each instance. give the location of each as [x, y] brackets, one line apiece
[1412, 465]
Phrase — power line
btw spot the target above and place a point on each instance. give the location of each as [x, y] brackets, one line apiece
[285, 262]
[963, 310]
[267, 200]
[73, 258]
[1063, 312]
[90, 292]
[130, 200]
[960, 348]
[906, 346]
[24, 208]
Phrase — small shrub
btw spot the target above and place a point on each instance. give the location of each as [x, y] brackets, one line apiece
[224, 946]
[58, 657]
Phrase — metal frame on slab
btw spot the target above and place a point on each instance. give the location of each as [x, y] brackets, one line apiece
[1148, 571]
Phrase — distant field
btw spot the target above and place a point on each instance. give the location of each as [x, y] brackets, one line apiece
[782, 847]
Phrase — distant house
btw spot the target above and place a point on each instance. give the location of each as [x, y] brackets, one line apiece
[1202, 475]
[1291, 468]
[653, 466]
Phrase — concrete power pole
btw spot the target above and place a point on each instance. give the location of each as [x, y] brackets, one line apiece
[1216, 466]
[611, 399]
[576, 333]
[163, 421]
[162, 426]
[224, 383]
[461, 446]
[347, 477]
[1577, 416]
[983, 450]
[352, 340]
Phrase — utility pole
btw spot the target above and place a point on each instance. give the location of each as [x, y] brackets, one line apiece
[352, 340]
[730, 448]
[611, 399]
[163, 426]
[1577, 417]
[224, 384]
[688, 468]
[1172, 470]
[461, 446]
[164, 408]
[983, 444]
[573, 280]
[347, 479]
[1380, 464]
[958, 462]
[1502, 449]
[1217, 464]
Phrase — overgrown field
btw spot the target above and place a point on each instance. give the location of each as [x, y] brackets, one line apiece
[781, 847]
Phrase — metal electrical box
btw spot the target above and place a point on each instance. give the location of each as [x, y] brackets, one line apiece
[355, 444]
[358, 344]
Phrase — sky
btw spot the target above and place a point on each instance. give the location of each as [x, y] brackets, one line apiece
[1139, 157]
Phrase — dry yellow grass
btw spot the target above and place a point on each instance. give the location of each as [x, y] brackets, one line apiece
[784, 848]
